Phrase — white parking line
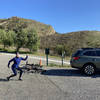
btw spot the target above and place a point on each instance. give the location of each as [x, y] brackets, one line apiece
[50, 60]
[42, 58]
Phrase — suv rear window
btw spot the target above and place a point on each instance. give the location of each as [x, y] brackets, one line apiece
[77, 53]
[98, 53]
[90, 53]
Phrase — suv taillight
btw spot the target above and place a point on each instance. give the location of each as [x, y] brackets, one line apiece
[76, 58]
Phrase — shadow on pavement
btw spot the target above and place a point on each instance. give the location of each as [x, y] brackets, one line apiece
[3, 80]
[68, 72]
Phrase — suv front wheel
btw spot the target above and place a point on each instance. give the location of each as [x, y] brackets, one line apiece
[89, 69]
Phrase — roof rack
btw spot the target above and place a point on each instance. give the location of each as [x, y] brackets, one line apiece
[89, 48]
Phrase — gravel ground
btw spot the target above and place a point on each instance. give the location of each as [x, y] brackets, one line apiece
[54, 84]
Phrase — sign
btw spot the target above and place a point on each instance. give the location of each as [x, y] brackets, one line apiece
[47, 51]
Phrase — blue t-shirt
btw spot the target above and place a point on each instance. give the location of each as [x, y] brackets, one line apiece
[16, 61]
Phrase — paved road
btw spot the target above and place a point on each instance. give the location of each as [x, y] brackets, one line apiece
[55, 84]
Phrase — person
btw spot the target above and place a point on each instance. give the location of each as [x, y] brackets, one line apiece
[15, 66]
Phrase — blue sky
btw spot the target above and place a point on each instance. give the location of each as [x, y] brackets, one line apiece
[63, 15]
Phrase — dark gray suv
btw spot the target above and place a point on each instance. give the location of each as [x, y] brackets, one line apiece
[86, 59]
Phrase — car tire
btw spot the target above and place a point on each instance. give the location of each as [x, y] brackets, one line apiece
[89, 69]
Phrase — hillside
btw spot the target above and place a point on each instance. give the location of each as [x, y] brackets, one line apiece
[72, 41]
[51, 39]
[42, 29]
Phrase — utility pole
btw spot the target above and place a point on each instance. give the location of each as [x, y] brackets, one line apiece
[47, 59]
[63, 55]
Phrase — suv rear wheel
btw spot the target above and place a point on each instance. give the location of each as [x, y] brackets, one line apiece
[89, 69]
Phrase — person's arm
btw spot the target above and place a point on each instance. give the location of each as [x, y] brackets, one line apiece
[10, 62]
[24, 58]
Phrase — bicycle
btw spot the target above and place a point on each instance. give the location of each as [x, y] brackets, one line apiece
[32, 68]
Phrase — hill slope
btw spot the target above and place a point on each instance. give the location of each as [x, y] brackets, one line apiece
[42, 29]
[72, 41]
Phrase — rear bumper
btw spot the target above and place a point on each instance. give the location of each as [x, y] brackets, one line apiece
[75, 65]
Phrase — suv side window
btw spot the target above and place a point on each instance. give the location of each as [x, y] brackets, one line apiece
[98, 53]
[89, 53]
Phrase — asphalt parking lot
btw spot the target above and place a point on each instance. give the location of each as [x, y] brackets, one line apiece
[54, 84]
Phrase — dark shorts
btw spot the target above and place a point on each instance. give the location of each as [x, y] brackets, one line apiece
[14, 69]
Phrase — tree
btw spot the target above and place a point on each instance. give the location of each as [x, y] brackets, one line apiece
[33, 40]
[27, 38]
[1, 35]
[7, 38]
[20, 39]
[60, 49]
